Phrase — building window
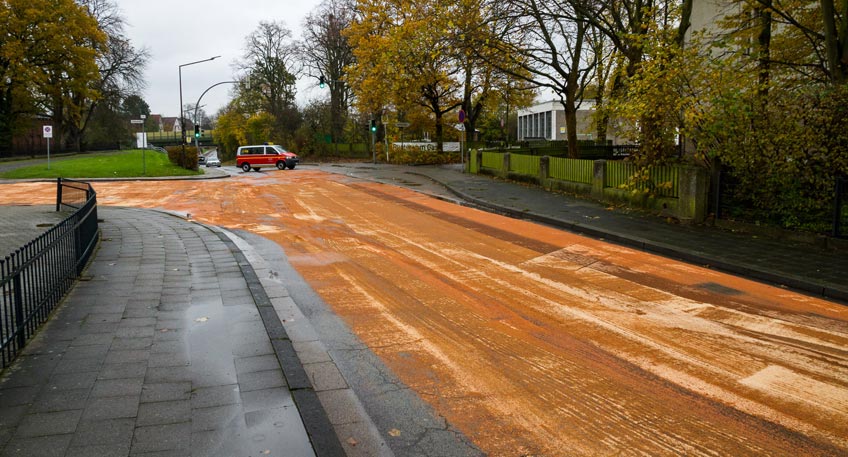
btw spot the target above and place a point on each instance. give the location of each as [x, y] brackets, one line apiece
[536, 125]
[548, 125]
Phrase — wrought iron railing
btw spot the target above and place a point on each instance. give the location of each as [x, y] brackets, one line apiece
[34, 278]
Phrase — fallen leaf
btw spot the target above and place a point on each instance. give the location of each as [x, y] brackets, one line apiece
[266, 451]
[394, 432]
[201, 319]
[352, 441]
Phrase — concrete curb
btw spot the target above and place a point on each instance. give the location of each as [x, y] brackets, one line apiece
[152, 178]
[315, 419]
[321, 433]
[323, 395]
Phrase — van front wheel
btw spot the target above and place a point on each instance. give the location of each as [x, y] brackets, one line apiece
[281, 165]
[245, 167]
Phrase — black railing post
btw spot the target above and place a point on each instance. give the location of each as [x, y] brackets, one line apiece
[78, 252]
[58, 193]
[19, 309]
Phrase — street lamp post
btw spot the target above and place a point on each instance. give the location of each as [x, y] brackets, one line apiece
[182, 117]
[197, 105]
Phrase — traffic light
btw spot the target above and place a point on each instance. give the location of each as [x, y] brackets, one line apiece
[373, 126]
[196, 131]
[321, 82]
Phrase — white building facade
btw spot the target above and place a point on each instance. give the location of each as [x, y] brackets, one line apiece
[546, 121]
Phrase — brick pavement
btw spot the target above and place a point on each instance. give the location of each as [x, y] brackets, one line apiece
[162, 349]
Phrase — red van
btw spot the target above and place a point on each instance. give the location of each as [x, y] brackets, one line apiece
[265, 155]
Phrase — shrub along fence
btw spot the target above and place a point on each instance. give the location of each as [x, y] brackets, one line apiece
[34, 278]
[679, 191]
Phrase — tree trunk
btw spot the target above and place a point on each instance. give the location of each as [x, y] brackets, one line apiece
[58, 126]
[336, 91]
[570, 109]
[7, 122]
[469, 122]
[685, 21]
[837, 61]
[571, 130]
[440, 140]
[764, 48]
[571, 90]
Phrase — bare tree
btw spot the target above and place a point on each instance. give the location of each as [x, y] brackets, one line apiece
[268, 83]
[121, 66]
[546, 39]
[326, 53]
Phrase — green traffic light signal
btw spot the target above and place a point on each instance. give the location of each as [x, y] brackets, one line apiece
[321, 82]
[373, 126]
[197, 131]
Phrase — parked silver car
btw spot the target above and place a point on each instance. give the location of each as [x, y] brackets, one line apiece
[213, 162]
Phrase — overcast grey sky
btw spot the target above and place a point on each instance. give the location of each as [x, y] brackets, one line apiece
[182, 31]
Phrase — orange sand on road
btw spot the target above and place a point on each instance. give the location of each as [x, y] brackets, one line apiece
[536, 341]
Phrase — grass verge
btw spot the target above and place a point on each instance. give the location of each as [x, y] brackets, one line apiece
[120, 164]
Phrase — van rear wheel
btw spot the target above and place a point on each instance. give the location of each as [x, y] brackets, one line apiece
[245, 167]
[281, 165]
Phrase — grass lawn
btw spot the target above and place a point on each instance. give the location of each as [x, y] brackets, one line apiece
[120, 164]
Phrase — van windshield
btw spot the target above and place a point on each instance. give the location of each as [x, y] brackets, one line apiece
[278, 149]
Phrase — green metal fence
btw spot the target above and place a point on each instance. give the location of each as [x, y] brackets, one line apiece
[618, 173]
[473, 166]
[574, 170]
[661, 180]
[493, 160]
[524, 165]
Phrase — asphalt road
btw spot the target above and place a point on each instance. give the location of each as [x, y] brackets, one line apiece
[530, 340]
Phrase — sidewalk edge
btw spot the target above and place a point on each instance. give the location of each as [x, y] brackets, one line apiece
[321, 433]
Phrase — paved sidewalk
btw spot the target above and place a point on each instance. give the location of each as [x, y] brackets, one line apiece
[20, 224]
[793, 264]
[168, 345]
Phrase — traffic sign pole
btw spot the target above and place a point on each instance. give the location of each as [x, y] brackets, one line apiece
[48, 133]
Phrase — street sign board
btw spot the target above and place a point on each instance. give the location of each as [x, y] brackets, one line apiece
[48, 131]
[136, 121]
[403, 125]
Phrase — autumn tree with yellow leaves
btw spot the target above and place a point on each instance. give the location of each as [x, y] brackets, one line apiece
[756, 96]
[414, 54]
[48, 64]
